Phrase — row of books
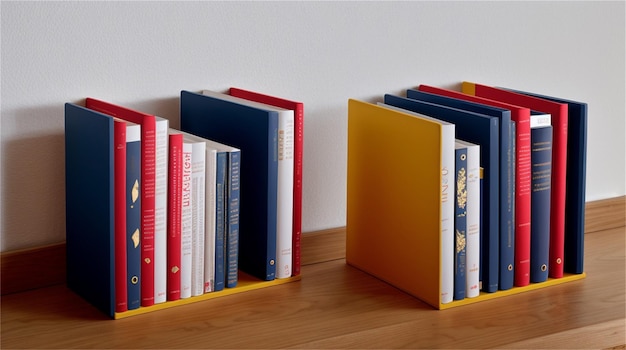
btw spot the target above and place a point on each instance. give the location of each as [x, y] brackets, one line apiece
[177, 214]
[531, 217]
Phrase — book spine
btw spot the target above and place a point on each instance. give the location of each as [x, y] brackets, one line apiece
[133, 217]
[174, 226]
[541, 158]
[447, 214]
[148, 174]
[121, 294]
[210, 208]
[473, 222]
[220, 222]
[232, 240]
[198, 199]
[559, 179]
[284, 228]
[186, 234]
[460, 223]
[507, 214]
[298, 147]
[160, 212]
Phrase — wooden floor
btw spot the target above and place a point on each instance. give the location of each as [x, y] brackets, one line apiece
[338, 306]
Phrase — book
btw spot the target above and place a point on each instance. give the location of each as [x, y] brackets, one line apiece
[558, 113]
[186, 221]
[227, 119]
[460, 220]
[483, 130]
[174, 213]
[298, 154]
[472, 239]
[520, 116]
[90, 229]
[576, 182]
[133, 214]
[507, 181]
[154, 164]
[119, 139]
[403, 187]
[198, 210]
[541, 163]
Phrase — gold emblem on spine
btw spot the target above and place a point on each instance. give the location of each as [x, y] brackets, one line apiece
[135, 238]
[175, 269]
[544, 267]
[461, 189]
[460, 241]
[134, 192]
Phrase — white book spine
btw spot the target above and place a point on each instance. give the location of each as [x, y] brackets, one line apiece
[160, 212]
[284, 228]
[209, 218]
[198, 183]
[186, 224]
[447, 213]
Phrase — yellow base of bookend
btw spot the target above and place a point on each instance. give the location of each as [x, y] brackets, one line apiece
[515, 290]
[244, 284]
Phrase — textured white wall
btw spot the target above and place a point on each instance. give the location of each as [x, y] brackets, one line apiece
[141, 54]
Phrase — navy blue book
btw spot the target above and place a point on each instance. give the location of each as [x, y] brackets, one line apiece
[575, 185]
[232, 218]
[233, 121]
[133, 214]
[484, 131]
[507, 180]
[541, 172]
[89, 206]
[460, 220]
[220, 221]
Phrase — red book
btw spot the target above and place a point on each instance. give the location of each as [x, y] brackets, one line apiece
[148, 177]
[119, 185]
[521, 116]
[298, 108]
[174, 215]
[558, 111]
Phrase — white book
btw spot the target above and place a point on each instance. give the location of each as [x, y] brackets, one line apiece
[284, 210]
[472, 240]
[198, 203]
[447, 202]
[186, 223]
[160, 211]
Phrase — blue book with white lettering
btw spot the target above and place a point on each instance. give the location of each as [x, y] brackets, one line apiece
[133, 214]
[460, 220]
[485, 131]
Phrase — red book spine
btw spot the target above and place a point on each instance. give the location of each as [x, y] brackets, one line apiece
[121, 295]
[298, 109]
[558, 111]
[148, 194]
[521, 116]
[174, 188]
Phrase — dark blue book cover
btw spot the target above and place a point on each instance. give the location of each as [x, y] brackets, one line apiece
[220, 221]
[460, 221]
[575, 186]
[507, 180]
[232, 237]
[483, 130]
[133, 216]
[90, 206]
[255, 132]
[541, 170]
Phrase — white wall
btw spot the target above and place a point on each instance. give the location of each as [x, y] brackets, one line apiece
[141, 54]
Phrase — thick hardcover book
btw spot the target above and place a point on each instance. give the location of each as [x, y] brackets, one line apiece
[406, 230]
[541, 163]
[186, 233]
[507, 181]
[298, 153]
[150, 146]
[483, 130]
[576, 182]
[559, 113]
[174, 214]
[160, 211]
[460, 220]
[133, 214]
[472, 241]
[89, 164]
[228, 119]
[121, 292]
[521, 116]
